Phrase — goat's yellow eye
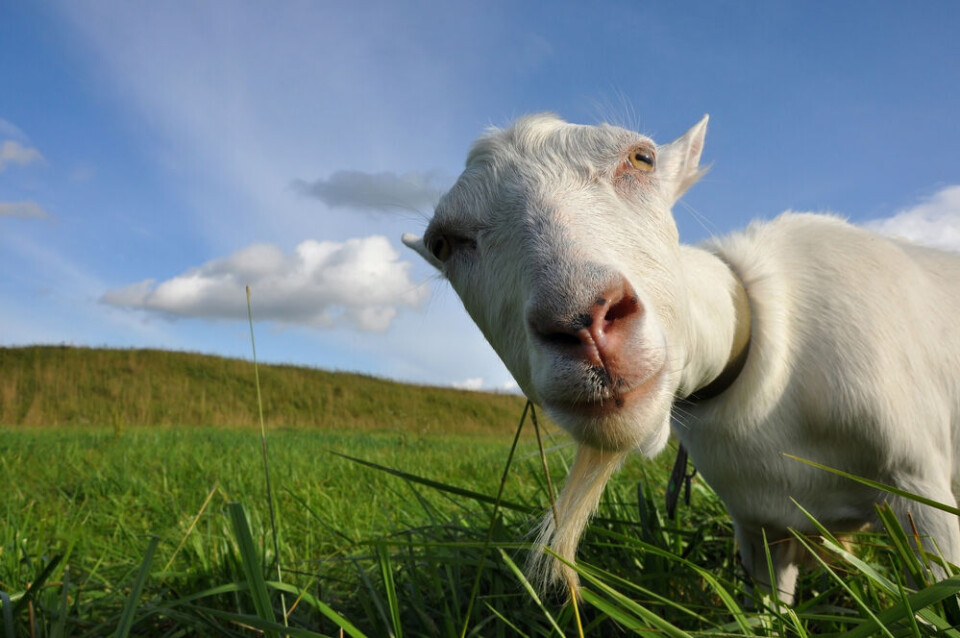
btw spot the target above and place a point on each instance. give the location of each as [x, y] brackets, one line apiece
[441, 248]
[641, 161]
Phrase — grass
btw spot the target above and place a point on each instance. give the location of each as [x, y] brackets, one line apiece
[164, 531]
[43, 386]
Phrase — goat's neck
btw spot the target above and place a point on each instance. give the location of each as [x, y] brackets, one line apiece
[717, 326]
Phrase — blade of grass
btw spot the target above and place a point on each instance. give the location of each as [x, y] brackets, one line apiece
[865, 610]
[901, 544]
[739, 615]
[437, 485]
[880, 486]
[386, 571]
[267, 627]
[321, 607]
[530, 590]
[37, 584]
[613, 579]
[250, 562]
[266, 466]
[493, 519]
[506, 621]
[642, 619]
[133, 601]
[639, 611]
[60, 627]
[553, 508]
[374, 597]
[193, 524]
[7, 605]
[909, 613]
[917, 601]
[774, 605]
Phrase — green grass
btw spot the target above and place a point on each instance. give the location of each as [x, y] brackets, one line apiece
[96, 499]
[164, 531]
[376, 552]
[55, 385]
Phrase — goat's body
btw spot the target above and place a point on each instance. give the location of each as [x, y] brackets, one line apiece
[560, 241]
[854, 364]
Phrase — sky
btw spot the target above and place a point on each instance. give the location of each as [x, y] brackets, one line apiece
[155, 158]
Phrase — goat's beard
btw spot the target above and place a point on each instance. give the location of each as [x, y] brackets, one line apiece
[563, 525]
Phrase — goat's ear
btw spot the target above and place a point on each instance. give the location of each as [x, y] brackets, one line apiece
[416, 243]
[679, 161]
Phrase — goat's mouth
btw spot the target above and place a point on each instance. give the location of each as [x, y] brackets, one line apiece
[607, 396]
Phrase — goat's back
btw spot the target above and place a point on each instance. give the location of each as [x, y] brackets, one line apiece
[853, 363]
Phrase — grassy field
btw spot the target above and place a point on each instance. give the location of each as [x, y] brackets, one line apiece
[96, 499]
[124, 529]
[46, 386]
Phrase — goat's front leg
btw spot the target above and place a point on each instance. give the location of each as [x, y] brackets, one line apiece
[784, 553]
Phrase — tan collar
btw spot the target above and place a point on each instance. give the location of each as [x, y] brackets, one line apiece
[739, 349]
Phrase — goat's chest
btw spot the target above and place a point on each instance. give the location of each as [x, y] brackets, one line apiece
[751, 470]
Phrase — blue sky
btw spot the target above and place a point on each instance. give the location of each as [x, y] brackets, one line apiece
[156, 156]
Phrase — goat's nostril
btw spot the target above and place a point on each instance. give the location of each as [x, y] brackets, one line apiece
[561, 339]
[623, 308]
[588, 335]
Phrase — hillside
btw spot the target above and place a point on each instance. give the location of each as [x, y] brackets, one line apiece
[60, 385]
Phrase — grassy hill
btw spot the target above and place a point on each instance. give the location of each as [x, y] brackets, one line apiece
[60, 385]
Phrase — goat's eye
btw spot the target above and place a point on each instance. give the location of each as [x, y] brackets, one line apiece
[441, 248]
[641, 161]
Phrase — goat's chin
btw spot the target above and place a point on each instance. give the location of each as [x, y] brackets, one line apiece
[637, 419]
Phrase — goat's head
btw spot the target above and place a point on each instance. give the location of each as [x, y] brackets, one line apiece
[560, 242]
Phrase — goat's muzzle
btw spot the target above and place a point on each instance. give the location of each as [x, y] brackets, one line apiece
[597, 335]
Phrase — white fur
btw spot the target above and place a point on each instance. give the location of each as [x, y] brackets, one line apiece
[854, 353]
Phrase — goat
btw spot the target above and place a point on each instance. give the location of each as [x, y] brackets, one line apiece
[830, 342]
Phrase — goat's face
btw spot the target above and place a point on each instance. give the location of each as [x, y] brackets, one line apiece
[560, 242]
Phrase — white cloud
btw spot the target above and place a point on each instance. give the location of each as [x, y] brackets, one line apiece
[13, 152]
[934, 222]
[475, 383]
[359, 283]
[23, 210]
[510, 386]
[374, 191]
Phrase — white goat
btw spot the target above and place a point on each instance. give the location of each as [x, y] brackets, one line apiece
[560, 242]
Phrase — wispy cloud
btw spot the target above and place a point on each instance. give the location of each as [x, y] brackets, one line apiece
[360, 283]
[13, 152]
[374, 191]
[10, 130]
[934, 222]
[23, 210]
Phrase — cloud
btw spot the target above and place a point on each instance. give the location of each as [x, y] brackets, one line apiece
[9, 130]
[934, 222]
[13, 152]
[374, 191]
[359, 283]
[23, 210]
[475, 383]
[82, 173]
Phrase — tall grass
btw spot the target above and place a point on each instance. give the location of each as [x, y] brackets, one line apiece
[390, 545]
[164, 531]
